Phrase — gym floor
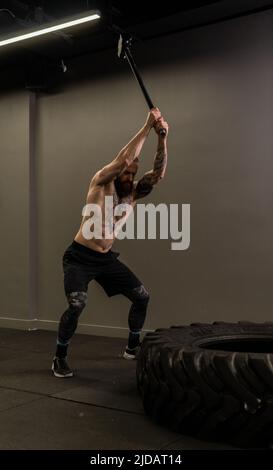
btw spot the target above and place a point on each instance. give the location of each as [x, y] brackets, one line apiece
[99, 408]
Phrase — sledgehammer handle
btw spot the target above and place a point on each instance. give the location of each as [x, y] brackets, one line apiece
[133, 66]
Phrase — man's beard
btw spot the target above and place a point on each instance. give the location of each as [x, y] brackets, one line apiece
[123, 189]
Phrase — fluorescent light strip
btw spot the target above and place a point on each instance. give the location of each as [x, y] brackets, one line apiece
[51, 29]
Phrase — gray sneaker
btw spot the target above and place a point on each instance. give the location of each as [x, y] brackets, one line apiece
[130, 354]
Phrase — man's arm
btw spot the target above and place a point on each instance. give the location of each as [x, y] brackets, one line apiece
[151, 178]
[128, 154]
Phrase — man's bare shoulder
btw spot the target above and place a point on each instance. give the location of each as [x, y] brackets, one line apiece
[98, 186]
[96, 189]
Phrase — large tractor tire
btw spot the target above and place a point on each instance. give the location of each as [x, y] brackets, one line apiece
[214, 382]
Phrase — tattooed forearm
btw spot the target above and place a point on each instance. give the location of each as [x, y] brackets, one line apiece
[160, 161]
[146, 183]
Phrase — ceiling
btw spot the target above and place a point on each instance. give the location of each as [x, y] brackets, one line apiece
[143, 19]
[20, 15]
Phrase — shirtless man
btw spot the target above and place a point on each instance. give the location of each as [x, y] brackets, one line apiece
[89, 258]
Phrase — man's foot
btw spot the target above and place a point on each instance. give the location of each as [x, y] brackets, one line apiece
[130, 354]
[60, 368]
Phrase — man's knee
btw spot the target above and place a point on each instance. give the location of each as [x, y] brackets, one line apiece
[141, 295]
[77, 301]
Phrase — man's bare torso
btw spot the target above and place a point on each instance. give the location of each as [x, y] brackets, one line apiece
[96, 195]
[117, 179]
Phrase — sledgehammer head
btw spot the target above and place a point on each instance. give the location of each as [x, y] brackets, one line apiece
[123, 44]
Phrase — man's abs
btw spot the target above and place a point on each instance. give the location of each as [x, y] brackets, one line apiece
[102, 245]
[104, 242]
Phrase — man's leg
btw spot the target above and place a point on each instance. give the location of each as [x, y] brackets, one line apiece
[139, 297]
[69, 321]
[76, 280]
[119, 279]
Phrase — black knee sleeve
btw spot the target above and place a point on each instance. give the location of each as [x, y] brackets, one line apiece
[77, 301]
[140, 299]
[69, 320]
[140, 294]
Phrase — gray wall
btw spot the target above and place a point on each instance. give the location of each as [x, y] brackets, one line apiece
[14, 208]
[214, 85]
